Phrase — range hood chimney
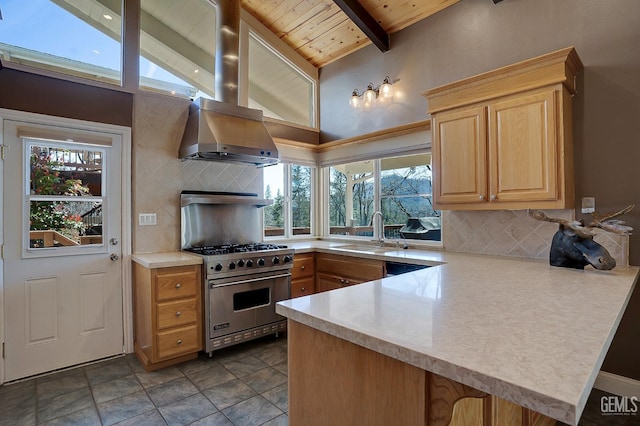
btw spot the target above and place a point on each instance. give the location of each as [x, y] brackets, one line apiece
[220, 129]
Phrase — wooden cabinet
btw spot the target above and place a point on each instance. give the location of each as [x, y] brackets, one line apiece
[167, 314]
[303, 280]
[336, 271]
[503, 139]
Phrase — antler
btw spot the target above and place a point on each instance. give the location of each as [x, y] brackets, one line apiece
[574, 226]
[604, 221]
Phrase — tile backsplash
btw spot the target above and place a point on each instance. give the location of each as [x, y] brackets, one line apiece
[159, 175]
[514, 233]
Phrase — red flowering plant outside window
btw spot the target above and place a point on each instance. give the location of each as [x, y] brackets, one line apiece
[49, 177]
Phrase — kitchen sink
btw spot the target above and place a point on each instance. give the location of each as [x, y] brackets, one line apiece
[364, 248]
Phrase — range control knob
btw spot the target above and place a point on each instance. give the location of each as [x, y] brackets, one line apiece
[232, 265]
[261, 262]
[249, 263]
[287, 259]
[218, 267]
[275, 260]
[241, 263]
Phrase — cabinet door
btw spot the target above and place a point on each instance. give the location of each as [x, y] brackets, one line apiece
[460, 156]
[326, 282]
[523, 147]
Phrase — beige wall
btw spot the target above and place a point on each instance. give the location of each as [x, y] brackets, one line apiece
[476, 36]
[159, 176]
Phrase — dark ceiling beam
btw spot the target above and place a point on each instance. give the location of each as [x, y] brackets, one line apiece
[365, 22]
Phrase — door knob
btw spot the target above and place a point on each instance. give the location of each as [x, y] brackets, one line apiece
[114, 257]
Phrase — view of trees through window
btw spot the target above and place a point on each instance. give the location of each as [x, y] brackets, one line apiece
[405, 198]
[300, 184]
[60, 181]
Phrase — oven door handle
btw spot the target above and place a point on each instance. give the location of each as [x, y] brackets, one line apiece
[252, 280]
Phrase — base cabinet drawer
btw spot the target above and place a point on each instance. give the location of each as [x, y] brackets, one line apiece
[303, 286]
[177, 313]
[178, 341]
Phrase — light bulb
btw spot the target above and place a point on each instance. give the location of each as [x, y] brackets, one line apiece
[354, 101]
[369, 95]
[386, 89]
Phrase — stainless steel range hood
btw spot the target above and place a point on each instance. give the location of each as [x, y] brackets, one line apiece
[225, 132]
[221, 130]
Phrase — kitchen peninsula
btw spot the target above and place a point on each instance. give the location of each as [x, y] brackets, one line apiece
[511, 340]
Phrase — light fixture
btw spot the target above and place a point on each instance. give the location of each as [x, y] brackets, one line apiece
[372, 95]
[354, 102]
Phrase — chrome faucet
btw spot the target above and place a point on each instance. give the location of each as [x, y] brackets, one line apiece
[380, 239]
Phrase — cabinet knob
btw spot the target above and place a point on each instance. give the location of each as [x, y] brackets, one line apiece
[179, 341]
[494, 197]
[302, 267]
[481, 197]
[178, 313]
[178, 285]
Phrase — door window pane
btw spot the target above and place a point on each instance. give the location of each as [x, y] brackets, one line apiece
[301, 199]
[177, 47]
[274, 190]
[283, 92]
[406, 202]
[78, 38]
[65, 195]
[351, 199]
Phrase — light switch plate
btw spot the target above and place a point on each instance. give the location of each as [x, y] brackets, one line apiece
[588, 204]
[147, 219]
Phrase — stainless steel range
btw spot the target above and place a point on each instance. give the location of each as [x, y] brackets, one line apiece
[243, 280]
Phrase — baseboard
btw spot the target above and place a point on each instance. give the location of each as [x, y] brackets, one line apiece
[617, 385]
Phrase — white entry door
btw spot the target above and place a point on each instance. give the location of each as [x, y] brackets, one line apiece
[62, 230]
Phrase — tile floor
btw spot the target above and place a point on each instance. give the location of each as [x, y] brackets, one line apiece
[242, 385]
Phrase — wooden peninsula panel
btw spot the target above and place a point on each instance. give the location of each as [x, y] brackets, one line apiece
[336, 382]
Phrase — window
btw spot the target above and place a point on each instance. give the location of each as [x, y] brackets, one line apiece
[351, 205]
[291, 188]
[284, 92]
[65, 194]
[78, 38]
[177, 47]
[398, 187]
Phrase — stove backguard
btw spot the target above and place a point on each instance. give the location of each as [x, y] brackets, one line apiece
[215, 224]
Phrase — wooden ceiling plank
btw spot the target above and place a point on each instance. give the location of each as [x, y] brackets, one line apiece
[365, 22]
[327, 25]
[306, 18]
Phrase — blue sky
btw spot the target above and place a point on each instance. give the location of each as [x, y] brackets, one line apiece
[43, 26]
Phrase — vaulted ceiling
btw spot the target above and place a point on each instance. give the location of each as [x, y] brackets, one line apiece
[321, 32]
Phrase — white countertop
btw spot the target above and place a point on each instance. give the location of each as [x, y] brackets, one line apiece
[166, 260]
[520, 329]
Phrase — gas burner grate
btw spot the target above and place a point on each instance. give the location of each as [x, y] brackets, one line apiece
[234, 248]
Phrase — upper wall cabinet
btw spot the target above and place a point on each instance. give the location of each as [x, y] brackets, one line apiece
[503, 139]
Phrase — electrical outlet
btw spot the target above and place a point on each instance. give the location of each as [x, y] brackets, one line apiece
[147, 219]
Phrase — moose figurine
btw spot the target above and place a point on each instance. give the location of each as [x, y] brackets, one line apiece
[573, 246]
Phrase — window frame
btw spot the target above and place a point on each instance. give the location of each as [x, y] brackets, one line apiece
[288, 219]
[377, 204]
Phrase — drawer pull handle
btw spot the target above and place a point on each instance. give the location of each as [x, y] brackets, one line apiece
[179, 341]
[178, 285]
[178, 313]
[302, 267]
